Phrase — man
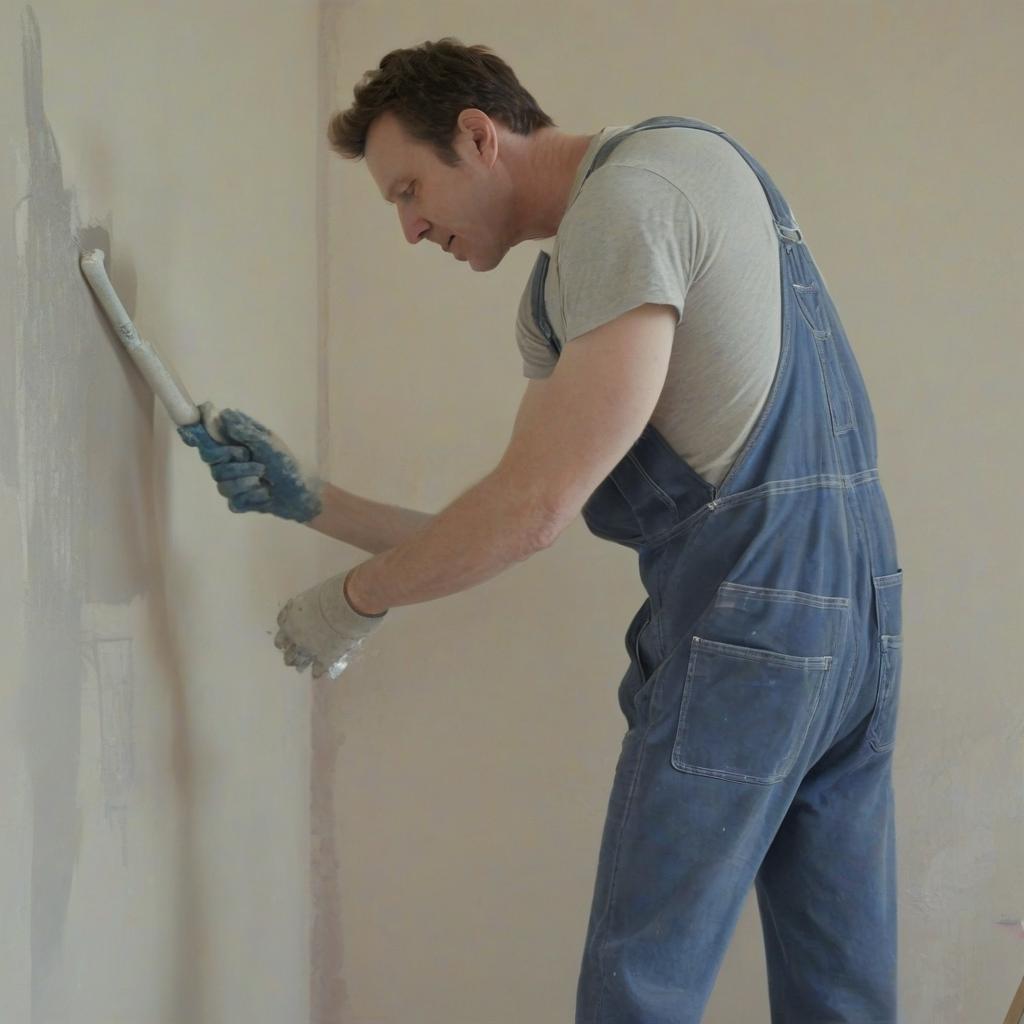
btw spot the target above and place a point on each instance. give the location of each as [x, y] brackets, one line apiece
[694, 395]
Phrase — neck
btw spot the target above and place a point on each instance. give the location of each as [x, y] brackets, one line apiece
[544, 166]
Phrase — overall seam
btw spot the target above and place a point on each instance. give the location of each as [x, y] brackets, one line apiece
[848, 694]
[717, 505]
[665, 499]
[606, 917]
[656, 606]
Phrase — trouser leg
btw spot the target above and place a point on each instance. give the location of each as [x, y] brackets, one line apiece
[827, 895]
[678, 855]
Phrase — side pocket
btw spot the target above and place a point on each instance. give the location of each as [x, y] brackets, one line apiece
[889, 609]
[638, 675]
[745, 711]
[644, 667]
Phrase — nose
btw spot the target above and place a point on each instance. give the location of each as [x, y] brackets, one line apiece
[413, 227]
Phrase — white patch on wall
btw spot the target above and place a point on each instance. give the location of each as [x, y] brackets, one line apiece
[108, 698]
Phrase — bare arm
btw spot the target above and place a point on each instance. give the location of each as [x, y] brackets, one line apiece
[570, 432]
[368, 525]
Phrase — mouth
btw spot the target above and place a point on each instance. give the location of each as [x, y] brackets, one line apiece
[448, 244]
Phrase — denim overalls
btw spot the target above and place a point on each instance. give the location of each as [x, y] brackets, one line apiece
[761, 694]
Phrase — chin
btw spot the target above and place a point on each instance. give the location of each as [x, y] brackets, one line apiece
[492, 262]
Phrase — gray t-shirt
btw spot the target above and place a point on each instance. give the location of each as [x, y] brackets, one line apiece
[674, 216]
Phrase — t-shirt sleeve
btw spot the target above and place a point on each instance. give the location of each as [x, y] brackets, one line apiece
[539, 360]
[628, 238]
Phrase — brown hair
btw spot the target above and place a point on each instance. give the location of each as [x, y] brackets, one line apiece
[426, 87]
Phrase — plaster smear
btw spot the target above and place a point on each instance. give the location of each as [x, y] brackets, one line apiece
[80, 498]
[50, 404]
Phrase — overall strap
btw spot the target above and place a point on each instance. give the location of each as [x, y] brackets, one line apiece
[785, 224]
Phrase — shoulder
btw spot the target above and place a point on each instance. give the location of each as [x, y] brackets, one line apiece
[650, 164]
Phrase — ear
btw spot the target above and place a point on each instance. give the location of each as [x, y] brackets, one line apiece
[483, 131]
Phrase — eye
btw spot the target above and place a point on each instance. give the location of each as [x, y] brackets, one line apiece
[407, 194]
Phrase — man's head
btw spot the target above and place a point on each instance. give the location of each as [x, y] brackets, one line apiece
[459, 146]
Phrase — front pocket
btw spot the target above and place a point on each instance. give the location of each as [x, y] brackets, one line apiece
[889, 611]
[745, 712]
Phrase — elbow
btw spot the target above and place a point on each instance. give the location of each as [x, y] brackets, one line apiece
[537, 519]
[551, 524]
[537, 529]
[536, 535]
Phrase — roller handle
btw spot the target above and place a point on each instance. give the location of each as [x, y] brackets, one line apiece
[158, 374]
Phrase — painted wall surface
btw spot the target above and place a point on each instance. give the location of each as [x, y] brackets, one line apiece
[154, 749]
[483, 732]
[193, 833]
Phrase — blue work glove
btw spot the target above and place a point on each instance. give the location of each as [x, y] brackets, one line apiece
[255, 471]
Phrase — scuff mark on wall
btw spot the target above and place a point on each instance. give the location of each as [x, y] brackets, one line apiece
[8, 379]
[328, 997]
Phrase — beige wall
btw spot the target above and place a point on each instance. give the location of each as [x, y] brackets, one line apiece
[482, 735]
[178, 843]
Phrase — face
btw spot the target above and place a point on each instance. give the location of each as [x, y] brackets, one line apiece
[471, 201]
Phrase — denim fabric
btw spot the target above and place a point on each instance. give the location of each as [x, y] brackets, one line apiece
[761, 695]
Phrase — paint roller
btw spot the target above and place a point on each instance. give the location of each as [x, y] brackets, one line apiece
[158, 373]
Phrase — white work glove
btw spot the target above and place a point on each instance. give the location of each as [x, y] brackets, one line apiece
[319, 627]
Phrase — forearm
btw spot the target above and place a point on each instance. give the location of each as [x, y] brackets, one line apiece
[486, 530]
[368, 525]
